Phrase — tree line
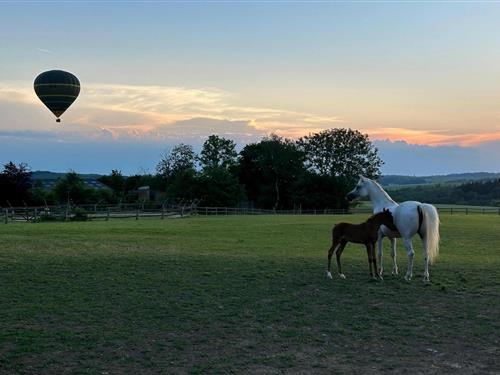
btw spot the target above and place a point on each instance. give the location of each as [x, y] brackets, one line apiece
[313, 172]
[476, 193]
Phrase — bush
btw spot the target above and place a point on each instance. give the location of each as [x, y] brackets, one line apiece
[79, 214]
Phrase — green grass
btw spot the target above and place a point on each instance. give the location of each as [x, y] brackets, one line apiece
[241, 295]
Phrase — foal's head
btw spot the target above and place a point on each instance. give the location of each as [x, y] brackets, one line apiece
[384, 218]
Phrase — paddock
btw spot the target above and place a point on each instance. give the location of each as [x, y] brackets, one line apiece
[241, 294]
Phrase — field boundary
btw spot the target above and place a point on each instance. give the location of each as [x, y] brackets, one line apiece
[163, 211]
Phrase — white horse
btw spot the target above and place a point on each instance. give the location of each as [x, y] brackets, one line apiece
[410, 218]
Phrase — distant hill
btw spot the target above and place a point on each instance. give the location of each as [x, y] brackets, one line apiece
[400, 181]
[46, 175]
[482, 192]
[47, 180]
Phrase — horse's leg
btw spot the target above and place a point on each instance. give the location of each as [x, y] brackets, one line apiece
[426, 261]
[380, 251]
[411, 253]
[335, 243]
[393, 255]
[338, 253]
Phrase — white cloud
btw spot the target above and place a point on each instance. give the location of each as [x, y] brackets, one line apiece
[143, 111]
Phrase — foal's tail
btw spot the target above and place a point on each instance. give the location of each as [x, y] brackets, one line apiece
[431, 231]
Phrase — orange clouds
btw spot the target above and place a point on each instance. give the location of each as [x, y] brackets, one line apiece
[155, 113]
[432, 138]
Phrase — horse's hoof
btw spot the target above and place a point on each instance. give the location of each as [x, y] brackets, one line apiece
[329, 275]
[408, 278]
[426, 280]
[394, 272]
[341, 275]
[380, 271]
[380, 278]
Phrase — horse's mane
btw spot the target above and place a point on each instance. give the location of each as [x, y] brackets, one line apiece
[381, 189]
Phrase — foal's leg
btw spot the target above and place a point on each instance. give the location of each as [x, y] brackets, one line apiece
[335, 244]
[393, 255]
[374, 261]
[411, 253]
[369, 254]
[338, 253]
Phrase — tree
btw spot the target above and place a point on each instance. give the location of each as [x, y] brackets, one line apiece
[71, 188]
[116, 182]
[15, 183]
[218, 183]
[342, 153]
[219, 188]
[218, 152]
[314, 191]
[178, 160]
[270, 169]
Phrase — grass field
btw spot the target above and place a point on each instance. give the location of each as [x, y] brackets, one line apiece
[241, 295]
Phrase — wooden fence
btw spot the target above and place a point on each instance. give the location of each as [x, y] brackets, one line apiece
[246, 211]
[163, 211]
[93, 212]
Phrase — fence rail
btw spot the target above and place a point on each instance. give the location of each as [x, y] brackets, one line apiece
[247, 211]
[163, 211]
[93, 212]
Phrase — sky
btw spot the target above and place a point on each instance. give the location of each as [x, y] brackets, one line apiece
[420, 78]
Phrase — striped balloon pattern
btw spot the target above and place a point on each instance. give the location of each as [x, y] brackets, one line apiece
[57, 89]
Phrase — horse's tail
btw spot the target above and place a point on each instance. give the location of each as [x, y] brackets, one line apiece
[430, 231]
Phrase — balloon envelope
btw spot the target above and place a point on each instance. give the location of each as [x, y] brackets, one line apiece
[57, 89]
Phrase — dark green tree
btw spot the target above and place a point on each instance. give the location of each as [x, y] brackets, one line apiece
[218, 183]
[177, 171]
[71, 188]
[270, 170]
[15, 184]
[342, 153]
[116, 182]
[218, 152]
[184, 184]
[180, 159]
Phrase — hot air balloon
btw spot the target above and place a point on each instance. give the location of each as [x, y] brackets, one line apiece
[57, 89]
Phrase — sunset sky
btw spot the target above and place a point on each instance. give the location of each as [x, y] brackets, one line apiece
[421, 79]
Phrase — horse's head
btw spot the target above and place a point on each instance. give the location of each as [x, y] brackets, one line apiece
[361, 189]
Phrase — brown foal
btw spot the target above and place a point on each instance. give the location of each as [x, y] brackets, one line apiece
[365, 233]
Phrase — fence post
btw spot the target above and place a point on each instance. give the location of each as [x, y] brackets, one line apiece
[107, 215]
[137, 214]
[7, 215]
[162, 211]
[182, 211]
[36, 214]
